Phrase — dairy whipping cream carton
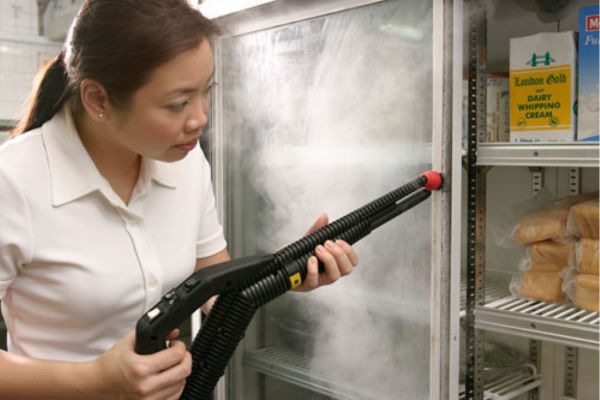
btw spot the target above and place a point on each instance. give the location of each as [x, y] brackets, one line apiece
[542, 88]
[587, 102]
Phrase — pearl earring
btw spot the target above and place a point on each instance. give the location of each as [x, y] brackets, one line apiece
[100, 115]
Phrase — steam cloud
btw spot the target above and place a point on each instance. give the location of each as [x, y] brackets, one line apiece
[323, 116]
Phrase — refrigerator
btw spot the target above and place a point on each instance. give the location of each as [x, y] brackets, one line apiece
[320, 107]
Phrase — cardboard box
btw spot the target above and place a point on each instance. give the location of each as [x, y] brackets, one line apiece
[497, 94]
[587, 101]
[497, 108]
[542, 88]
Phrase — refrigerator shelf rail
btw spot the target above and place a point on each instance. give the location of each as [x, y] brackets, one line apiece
[509, 386]
[564, 324]
[538, 155]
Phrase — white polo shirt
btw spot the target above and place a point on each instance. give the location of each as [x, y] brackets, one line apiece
[78, 266]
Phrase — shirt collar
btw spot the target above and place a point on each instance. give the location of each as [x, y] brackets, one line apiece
[161, 172]
[73, 174]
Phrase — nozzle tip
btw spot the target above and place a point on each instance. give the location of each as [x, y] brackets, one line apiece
[434, 180]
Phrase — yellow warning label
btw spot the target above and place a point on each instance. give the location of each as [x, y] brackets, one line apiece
[540, 98]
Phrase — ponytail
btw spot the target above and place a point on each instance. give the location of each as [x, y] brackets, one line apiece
[47, 97]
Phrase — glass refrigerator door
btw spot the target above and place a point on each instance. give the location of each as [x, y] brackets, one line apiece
[323, 114]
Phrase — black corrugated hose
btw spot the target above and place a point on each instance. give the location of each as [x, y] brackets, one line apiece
[231, 314]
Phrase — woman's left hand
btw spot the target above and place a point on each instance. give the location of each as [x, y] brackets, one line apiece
[338, 258]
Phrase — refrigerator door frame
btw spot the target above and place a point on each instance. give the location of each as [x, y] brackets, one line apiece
[446, 205]
[446, 158]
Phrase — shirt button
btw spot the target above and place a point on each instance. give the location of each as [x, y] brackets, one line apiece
[152, 282]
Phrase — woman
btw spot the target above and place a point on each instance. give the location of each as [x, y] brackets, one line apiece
[107, 204]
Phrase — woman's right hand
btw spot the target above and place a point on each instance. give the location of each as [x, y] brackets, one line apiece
[124, 374]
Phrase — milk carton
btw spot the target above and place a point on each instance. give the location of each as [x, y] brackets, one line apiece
[587, 103]
[542, 88]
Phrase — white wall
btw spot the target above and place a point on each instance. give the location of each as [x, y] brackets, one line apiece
[58, 18]
[19, 16]
[22, 53]
[20, 59]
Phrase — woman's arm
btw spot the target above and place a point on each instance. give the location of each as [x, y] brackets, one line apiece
[119, 373]
[22, 377]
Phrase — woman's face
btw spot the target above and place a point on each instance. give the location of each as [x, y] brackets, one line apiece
[167, 114]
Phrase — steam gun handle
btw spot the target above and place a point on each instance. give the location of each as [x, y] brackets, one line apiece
[180, 302]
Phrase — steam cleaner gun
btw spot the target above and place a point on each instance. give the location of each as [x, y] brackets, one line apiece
[246, 284]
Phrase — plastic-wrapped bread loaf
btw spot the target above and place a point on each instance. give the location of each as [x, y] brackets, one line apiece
[586, 292]
[545, 286]
[587, 256]
[583, 219]
[550, 256]
[542, 225]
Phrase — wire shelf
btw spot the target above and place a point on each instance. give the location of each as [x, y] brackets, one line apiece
[565, 324]
[292, 367]
[495, 289]
[509, 386]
